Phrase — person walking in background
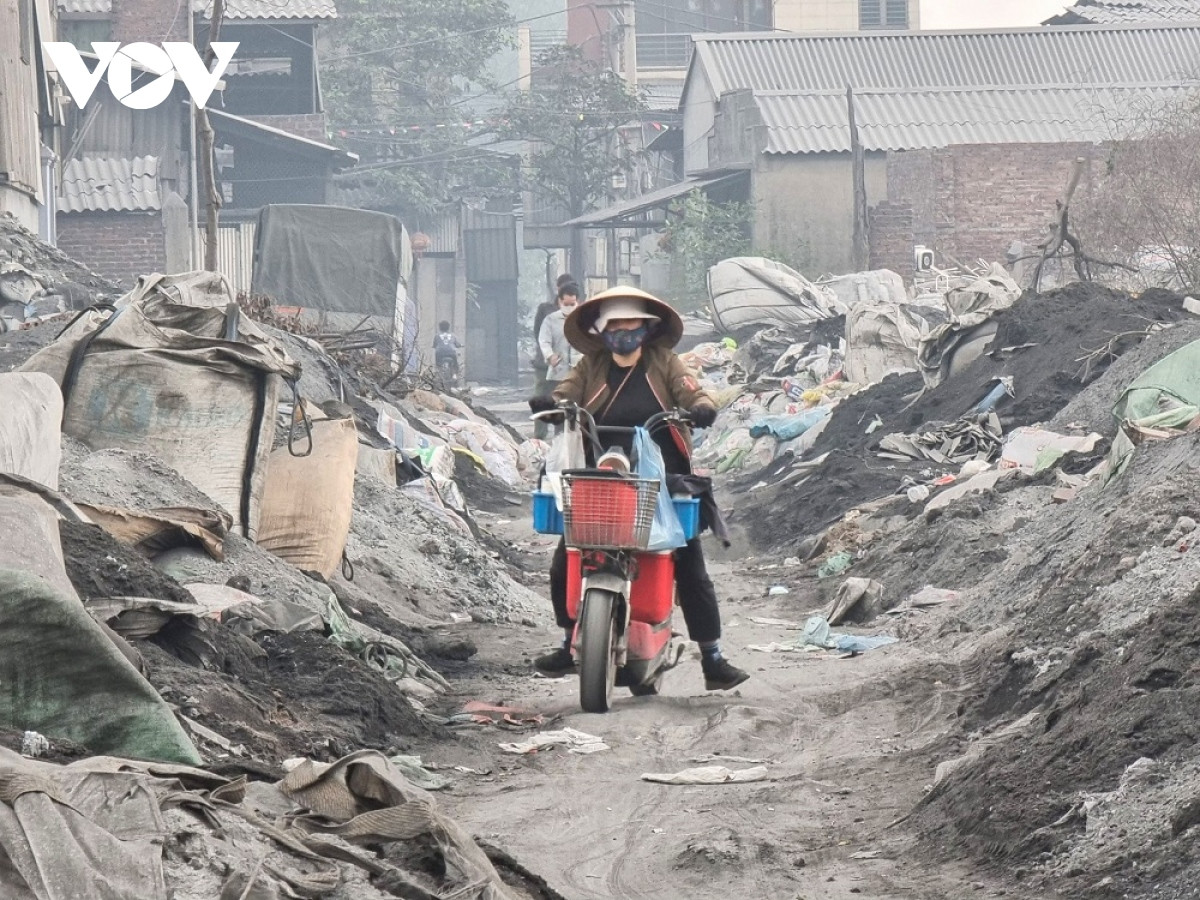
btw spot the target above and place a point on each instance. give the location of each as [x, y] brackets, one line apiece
[560, 356]
[540, 429]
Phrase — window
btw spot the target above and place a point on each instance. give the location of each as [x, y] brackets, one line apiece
[883, 14]
[757, 15]
[700, 16]
[83, 33]
[25, 28]
[664, 27]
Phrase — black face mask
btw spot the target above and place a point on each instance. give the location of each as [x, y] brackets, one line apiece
[626, 341]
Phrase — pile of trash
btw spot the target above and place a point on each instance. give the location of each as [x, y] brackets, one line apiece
[805, 347]
[37, 281]
[219, 557]
[1060, 584]
[777, 386]
[1019, 487]
[1017, 368]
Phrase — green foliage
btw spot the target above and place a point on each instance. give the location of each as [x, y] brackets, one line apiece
[408, 69]
[389, 58]
[699, 234]
[571, 115]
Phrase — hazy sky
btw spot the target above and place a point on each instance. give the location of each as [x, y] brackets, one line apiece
[987, 13]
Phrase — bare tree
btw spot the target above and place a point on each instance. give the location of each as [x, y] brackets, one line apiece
[1145, 209]
[206, 153]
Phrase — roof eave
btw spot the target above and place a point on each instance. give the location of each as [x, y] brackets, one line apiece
[270, 133]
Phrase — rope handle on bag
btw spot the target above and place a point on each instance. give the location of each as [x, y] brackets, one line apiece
[299, 414]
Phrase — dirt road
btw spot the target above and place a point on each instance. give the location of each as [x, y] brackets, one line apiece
[850, 746]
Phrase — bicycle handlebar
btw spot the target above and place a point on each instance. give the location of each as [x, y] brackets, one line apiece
[577, 415]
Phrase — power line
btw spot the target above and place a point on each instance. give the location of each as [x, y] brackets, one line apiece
[450, 35]
[729, 20]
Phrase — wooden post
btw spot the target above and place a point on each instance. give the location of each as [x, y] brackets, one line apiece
[861, 251]
[206, 140]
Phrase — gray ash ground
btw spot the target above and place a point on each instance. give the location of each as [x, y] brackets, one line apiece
[100, 566]
[278, 695]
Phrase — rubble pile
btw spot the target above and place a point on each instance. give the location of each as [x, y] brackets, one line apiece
[900, 433]
[1072, 762]
[1032, 516]
[37, 281]
[249, 545]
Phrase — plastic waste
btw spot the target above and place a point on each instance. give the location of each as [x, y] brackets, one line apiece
[973, 467]
[818, 633]
[778, 591]
[992, 398]
[917, 493]
[666, 531]
[855, 643]
[835, 565]
[34, 744]
[785, 428]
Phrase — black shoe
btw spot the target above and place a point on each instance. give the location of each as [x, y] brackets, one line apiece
[556, 664]
[721, 675]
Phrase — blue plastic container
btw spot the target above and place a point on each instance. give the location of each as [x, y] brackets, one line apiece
[688, 510]
[546, 516]
[548, 520]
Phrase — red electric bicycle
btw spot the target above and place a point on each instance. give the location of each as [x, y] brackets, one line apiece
[620, 595]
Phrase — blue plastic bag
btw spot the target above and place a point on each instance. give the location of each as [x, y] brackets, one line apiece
[787, 428]
[666, 533]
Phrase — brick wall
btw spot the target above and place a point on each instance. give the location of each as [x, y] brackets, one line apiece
[119, 245]
[154, 21]
[310, 125]
[891, 231]
[972, 201]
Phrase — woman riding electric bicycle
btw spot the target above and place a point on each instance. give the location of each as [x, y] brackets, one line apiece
[629, 374]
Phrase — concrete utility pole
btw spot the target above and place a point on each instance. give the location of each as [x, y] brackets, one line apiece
[620, 41]
[861, 251]
[629, 50]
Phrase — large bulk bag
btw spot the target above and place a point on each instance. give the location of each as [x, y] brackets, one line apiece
[308, 500]
[882, 339]
[60, 674]
[179, 372]
[31, 410]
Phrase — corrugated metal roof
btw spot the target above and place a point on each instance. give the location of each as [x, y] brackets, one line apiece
[91, 7]
[234, 9]
[1122, 12]
[271, 9]
[654, 199]
[913, 60]
[910, 120]
[110, 185]
[247, 124]
[661, 96]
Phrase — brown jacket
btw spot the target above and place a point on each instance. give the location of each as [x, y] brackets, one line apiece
[672, 382]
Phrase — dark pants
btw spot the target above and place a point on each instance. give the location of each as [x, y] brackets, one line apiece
[697, 596]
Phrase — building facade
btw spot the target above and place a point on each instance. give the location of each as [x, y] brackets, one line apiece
[968, 137]
[28, 114]
[127, 175]
[652, 44]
